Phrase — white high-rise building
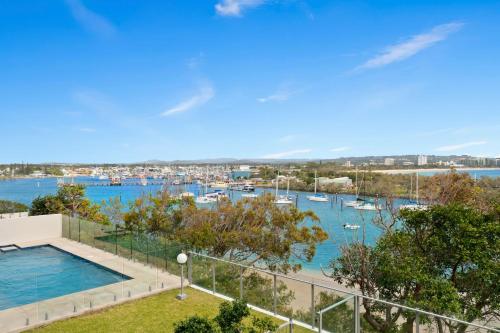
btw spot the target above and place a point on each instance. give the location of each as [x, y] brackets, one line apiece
[422, 160]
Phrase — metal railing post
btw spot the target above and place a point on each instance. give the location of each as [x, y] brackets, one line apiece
[79, 230]
[313, 313]
[241, 282]
[275, 293]
[320, 328]
[190, 268]
[356, 315]
[417, 322]
[213, 276]
[116, 239]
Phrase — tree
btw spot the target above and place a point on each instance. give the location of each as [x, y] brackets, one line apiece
[155, 213]
[195, 324]
[253, 230]
[12, 207]
[69, 200]
[433, 261]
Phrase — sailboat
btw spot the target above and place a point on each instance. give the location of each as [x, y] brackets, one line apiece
[317, 196]
[416, 205]
[351, 226]
[205, 199]
[282, 199]
[358, 201]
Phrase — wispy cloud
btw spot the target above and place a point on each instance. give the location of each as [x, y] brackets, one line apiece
[90, 20]
[461, 146]
[282, 94]
[205, 94]
[288, 153]
[286, 138]
[412, 46]
[340, 149]
[235, 7]
[87, 130]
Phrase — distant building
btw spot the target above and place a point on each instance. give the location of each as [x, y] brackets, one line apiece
[341, 181]
[348, 164]
[422, 160]
[389, 161]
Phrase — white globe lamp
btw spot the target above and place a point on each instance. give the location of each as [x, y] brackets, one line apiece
[182, 259]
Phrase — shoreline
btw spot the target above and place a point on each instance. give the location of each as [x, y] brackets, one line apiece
[406, 171]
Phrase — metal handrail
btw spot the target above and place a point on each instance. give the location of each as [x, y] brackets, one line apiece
[328, 308]
[352, 294]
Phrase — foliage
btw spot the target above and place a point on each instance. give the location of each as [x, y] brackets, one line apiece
[195, 324]
[229, 320]
[7, 206]
[433, 262]
[154, 213]
[253, 230]
[230, 316]
[70, 200]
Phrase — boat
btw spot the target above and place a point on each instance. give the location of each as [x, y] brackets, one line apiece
[351, 226]
[358, 201]
[282, 199]
[103, 177]
[367, 206]
[218, 185]
[318, 197]
[204, 200]
[115, 181]
[416, 205]
[144, 181]
[186, 195]
[248, 188]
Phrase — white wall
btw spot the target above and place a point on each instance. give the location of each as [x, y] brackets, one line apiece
[32, 228]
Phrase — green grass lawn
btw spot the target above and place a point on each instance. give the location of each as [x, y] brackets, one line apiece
[156, 313]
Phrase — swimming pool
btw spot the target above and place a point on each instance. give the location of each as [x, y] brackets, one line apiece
[38, 273]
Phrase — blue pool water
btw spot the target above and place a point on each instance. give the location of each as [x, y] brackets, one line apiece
[39, 273]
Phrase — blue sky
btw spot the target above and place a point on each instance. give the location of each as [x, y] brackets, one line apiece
[124, 81]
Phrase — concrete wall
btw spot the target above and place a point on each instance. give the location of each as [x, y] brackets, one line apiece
[32, 228]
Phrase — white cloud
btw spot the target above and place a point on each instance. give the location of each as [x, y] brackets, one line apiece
[287, 153]
[461, 146]
[87, 130]
[286, 138]
[277, 97]
[412, 46]
[235, 7]
[90, 20]
[339, 149]
[205, 94]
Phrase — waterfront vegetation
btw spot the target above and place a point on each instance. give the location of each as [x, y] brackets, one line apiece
[158, 313]
[7, 206]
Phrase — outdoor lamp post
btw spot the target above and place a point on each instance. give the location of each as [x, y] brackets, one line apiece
[182, 259]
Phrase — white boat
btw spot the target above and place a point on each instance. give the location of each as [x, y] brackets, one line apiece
[282, 199]
[144, 181]
[249, 195]
[103, 177]
[248, 188]
[353, 203]
[416, 205]
[351, 226]
[186, 195]
[205, 200]
[318, 197]
[367, 206]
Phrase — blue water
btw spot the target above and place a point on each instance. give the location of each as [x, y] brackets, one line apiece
[43, 272]
[332, 217]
